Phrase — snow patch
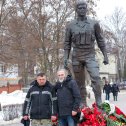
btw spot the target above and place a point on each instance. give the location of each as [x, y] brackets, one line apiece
[11, 105]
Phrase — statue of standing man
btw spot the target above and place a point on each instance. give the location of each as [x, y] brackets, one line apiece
[80, 35]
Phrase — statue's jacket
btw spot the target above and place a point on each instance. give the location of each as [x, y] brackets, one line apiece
[81, 35]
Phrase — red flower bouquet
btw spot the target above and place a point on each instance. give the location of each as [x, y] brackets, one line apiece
[115, 117]
[93, 117]
[108, 115]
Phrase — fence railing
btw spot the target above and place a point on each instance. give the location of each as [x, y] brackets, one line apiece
[10, 88]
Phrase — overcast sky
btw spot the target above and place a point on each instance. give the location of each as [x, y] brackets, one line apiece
[106, 7]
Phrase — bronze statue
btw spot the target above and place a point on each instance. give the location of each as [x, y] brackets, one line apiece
[80, 35]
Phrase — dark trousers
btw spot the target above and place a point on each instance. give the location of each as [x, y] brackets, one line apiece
[67, 121]
[107, 97]
[115, 94]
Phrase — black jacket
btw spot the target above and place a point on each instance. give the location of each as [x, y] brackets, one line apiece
[115, 88]
[107, 88]
[68, 96]
[40, 101]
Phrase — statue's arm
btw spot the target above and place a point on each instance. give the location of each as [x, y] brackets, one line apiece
[67, 42]
[101, 42]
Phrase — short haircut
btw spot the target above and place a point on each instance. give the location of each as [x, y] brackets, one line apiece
[64, 70]
[41, 74]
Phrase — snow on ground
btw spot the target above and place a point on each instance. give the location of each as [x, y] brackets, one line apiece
[14, 98]
[90, 92]
[17, 120]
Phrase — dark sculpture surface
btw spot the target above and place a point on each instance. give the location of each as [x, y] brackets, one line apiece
[80, 35]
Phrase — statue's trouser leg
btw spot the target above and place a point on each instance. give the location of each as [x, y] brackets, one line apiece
[93, 70]
[79, 74]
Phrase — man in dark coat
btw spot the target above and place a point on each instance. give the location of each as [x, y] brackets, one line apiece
[115, 90]
[68, 97]
[107, 89]
[80, 36]
[40, 102]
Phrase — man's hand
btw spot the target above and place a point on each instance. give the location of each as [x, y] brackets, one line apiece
[53, 118]
[26, 117]
[74, 113]
[105, 60]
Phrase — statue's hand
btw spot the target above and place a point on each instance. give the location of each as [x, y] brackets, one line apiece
[106, 61]
[66, 63]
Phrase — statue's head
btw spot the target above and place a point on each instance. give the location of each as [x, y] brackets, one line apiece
[81, 7]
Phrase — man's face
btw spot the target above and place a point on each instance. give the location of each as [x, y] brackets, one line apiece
[107, 82]
[81, 9]
[41, 80]
[61, 75]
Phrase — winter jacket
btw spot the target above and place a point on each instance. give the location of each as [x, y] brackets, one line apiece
[107, 88]
[115, 88]
[40, 101]
[32, 83]
[68, 96]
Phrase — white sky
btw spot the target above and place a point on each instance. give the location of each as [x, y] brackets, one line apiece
[106, 7]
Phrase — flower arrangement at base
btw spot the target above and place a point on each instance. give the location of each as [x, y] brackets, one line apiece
[114, 117]
[107, 115]
[92, 117]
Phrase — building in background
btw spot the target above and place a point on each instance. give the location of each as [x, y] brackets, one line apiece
[8, 74]
[107, 72]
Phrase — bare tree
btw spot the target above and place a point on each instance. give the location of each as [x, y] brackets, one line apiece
[33, 33]
[116, 34]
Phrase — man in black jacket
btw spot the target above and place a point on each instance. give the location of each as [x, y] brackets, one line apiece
[107, 89]
[115, 90]
[40, 102]
[68, 96]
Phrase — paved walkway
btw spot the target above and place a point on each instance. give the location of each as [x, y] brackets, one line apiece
[121, 103]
